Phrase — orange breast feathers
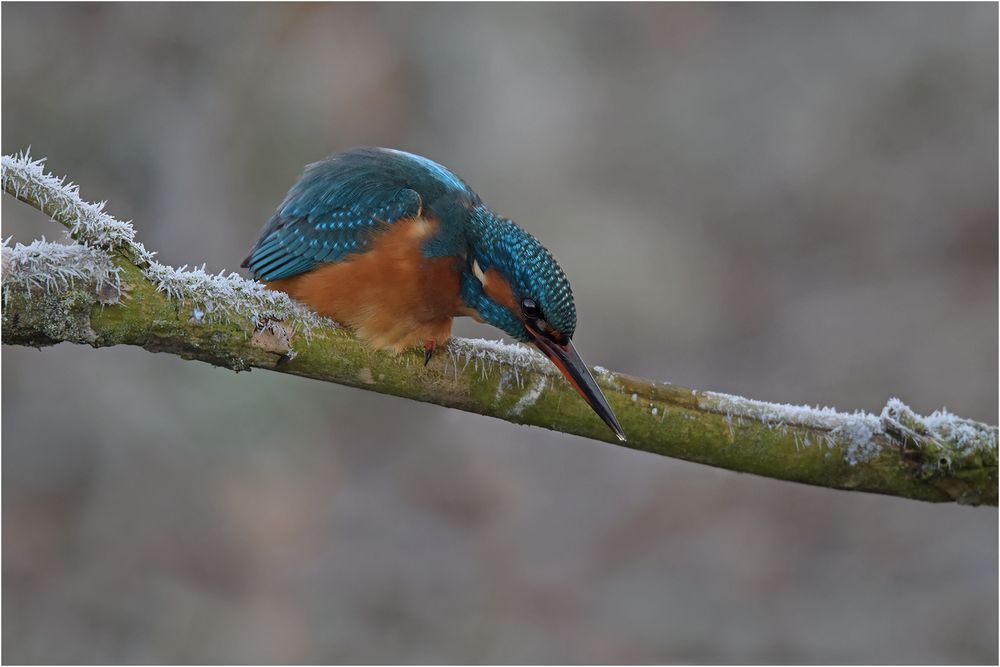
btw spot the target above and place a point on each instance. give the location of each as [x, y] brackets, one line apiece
[391, 295]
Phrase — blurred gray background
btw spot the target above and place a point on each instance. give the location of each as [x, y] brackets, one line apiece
[796, 203]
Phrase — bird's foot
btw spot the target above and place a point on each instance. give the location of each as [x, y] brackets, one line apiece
[429, 346]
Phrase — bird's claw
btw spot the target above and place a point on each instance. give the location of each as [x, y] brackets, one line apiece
[429, 347]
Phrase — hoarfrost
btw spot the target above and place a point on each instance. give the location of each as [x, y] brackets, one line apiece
[228, 297]
[965, 434]
[88, 223]
[529, 398]
[962, 435]
[54, 266]
[505, 383]
[859, 431]
[487, 355]
[219, 296]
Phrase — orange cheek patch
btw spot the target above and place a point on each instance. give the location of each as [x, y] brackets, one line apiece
[498, 289]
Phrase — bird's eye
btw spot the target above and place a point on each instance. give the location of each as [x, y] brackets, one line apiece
[530, 308]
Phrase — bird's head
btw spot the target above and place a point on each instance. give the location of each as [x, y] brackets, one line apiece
[513, 283]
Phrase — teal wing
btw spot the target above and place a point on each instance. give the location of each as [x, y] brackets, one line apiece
[341, 203]
[329, 214]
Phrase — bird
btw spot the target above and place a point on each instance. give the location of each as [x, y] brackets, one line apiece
[394, 246]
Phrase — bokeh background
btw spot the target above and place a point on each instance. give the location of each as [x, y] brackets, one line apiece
[795, 203]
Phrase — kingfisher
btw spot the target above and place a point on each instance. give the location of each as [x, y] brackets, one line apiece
[395, 246]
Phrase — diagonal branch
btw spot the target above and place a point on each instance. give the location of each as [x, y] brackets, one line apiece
[109, 290]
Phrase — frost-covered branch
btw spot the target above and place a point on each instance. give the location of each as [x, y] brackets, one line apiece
[107, 289]
[219, 296]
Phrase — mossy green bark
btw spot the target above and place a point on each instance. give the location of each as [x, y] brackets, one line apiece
[658, 418]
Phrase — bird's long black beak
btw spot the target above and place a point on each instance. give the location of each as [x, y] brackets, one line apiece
[569, 363]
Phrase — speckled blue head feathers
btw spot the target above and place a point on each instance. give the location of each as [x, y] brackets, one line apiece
[529, 269]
